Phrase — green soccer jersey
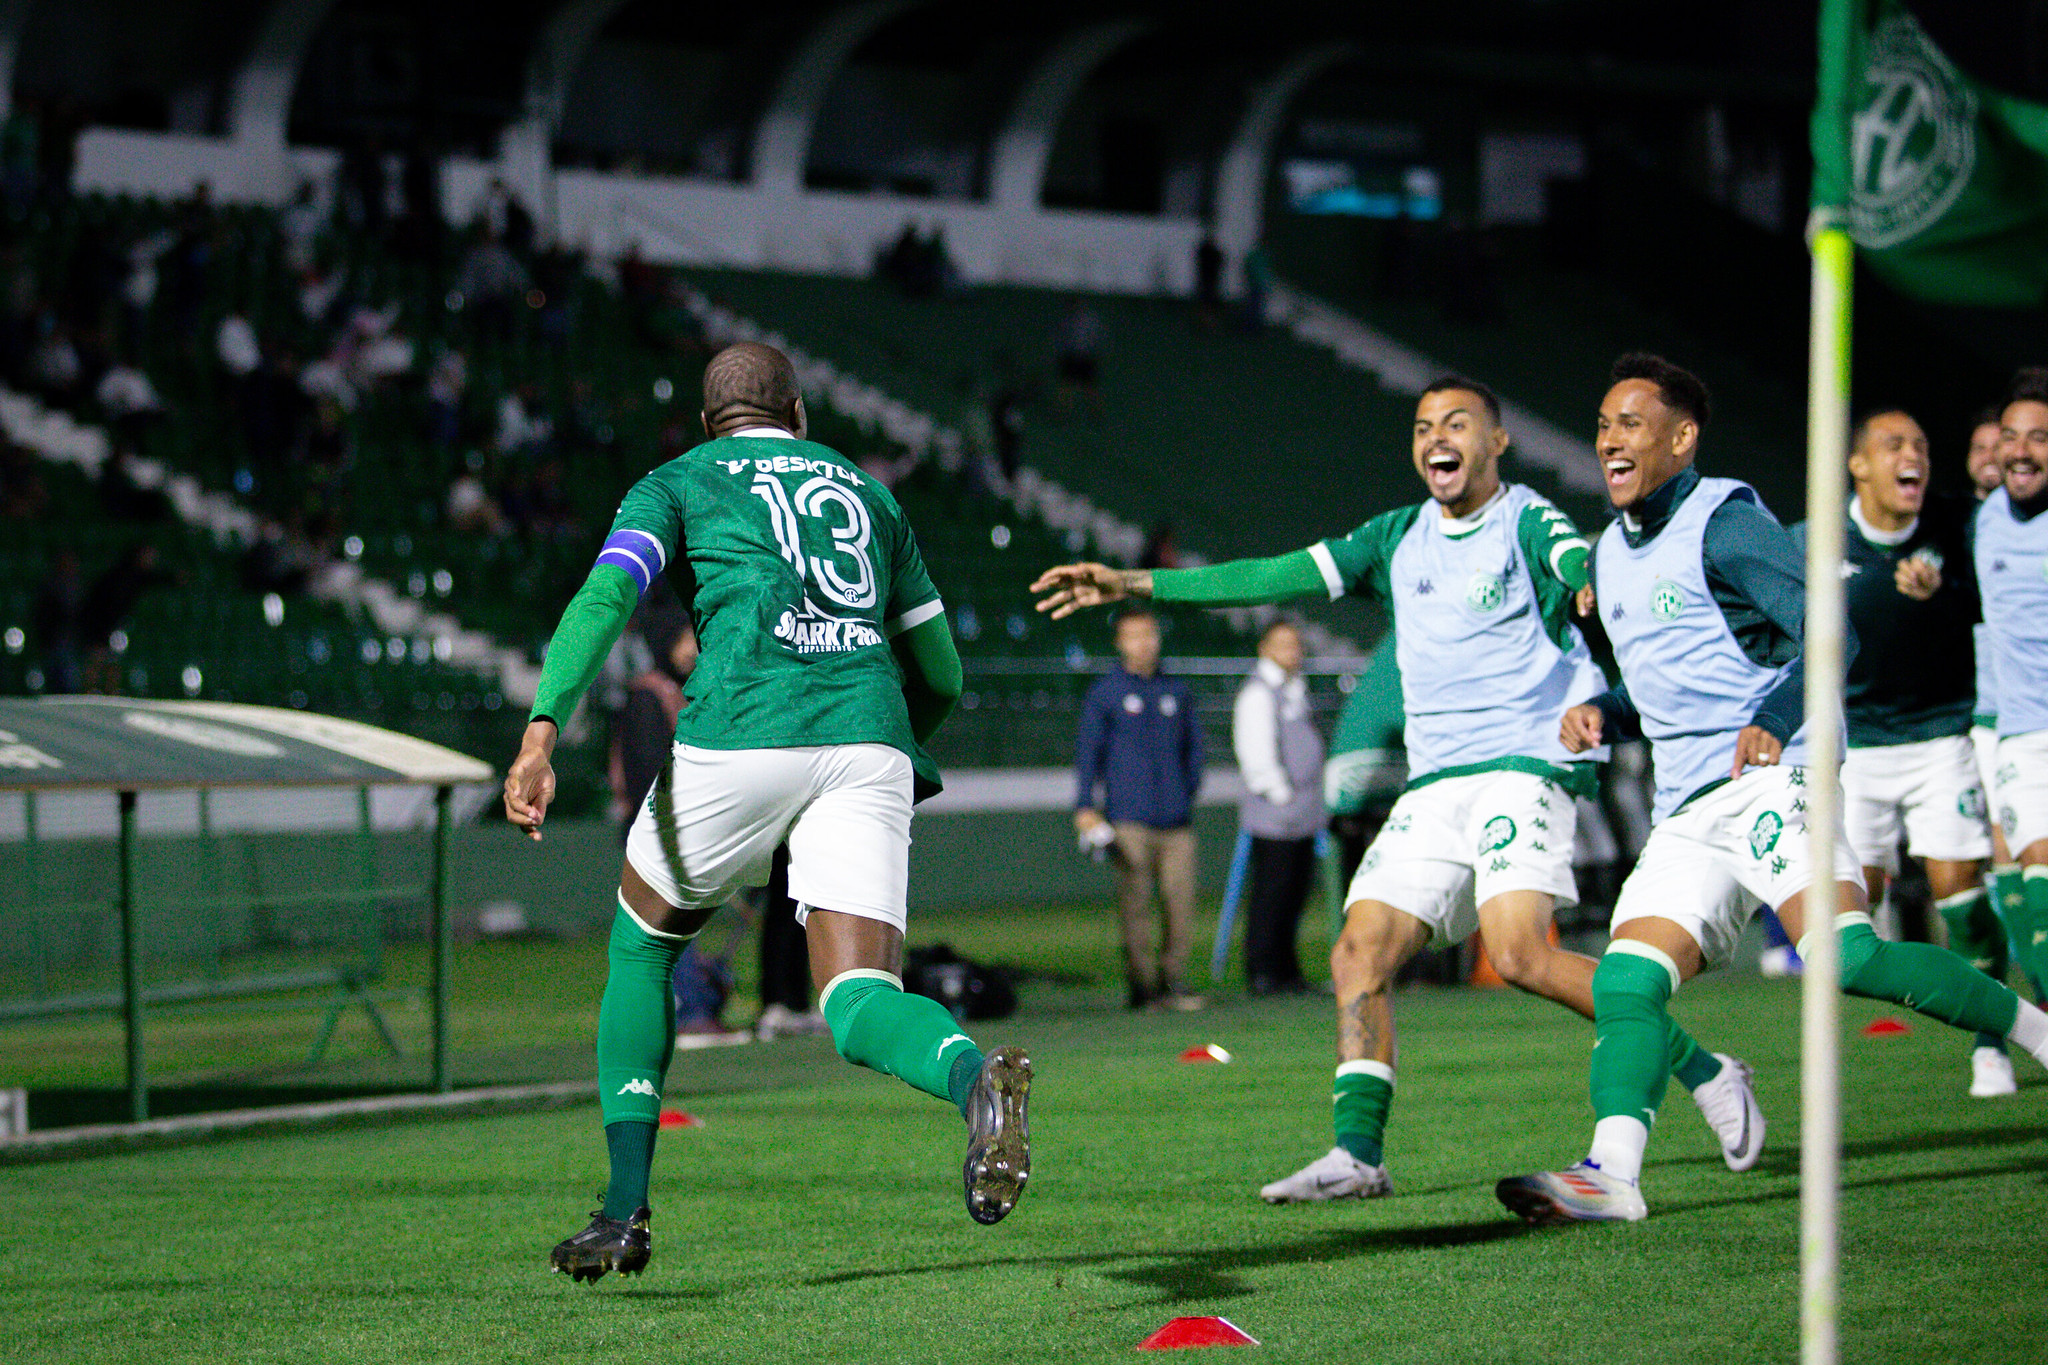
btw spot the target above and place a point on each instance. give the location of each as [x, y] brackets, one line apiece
[805, 568]
[1914, 674]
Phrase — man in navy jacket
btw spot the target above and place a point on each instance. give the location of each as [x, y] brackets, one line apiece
[1141, 749]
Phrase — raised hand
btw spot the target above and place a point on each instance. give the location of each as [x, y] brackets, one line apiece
[1070, 587]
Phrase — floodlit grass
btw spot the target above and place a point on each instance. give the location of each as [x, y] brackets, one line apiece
[817, 1217]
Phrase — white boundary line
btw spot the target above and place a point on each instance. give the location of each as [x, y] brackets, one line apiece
[56, 1144]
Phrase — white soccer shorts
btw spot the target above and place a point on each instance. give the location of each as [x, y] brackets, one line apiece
[1984, 739]
[843, 808]
[2020, 794]
[1456, 843]
[1930, 789]
[1707, 867]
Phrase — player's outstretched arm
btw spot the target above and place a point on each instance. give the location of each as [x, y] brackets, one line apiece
[591, 624]
[932, 676]
[1239, 583]
[1069, 588]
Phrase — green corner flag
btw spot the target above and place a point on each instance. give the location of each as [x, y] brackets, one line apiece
[1945, 179]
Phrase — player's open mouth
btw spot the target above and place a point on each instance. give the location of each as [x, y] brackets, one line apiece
[1619, 470]
[1444, 463]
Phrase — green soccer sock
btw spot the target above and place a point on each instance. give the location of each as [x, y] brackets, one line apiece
[877, 1025]
[1926, 979]
[2030, 927]
[1692, 1066]
[1631, 1031]
[1976, 935]
[636, 1026]
[1364, 1095]
[2009, 903]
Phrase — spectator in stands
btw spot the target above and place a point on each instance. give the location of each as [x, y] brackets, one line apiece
[236, 345]
[1006, 417]
[1162, 548]
[54, 366]
[321, 294]
[300, 227]
[191, 255]
[59, 623]
[1077, 354]
[447, 386]
[130, 402]
[493, 284]
[139, 285]
[1280, 754]
[1139, 763]
[523, 428]
[500, 214]
[472, 508]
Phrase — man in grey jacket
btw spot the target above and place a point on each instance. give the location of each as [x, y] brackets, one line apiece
[1280, 754]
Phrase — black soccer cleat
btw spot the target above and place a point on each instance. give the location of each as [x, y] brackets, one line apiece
[998, 1136]
[607, 1244]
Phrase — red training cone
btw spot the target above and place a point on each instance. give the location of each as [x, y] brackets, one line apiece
[1886, 1027]
[1206, 1052]
[1197, 1332]
[676, 1118]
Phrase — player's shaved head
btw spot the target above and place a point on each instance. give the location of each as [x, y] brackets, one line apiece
[750, 385]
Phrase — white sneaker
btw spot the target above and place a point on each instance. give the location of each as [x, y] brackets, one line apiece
[1334, 1175]
[1728, 1103]
[1578, 1194]
[1780, 961]
[1991, 1073]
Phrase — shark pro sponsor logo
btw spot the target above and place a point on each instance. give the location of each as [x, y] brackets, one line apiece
[808, 630]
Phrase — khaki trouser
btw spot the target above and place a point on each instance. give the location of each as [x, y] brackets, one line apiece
[1165, 859]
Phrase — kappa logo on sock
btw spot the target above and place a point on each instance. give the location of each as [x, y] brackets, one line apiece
[638, 1087]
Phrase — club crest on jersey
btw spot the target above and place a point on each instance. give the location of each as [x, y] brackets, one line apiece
[1485, 592]
[1763, 835]
[1667, 600]
[811, 631]
[1498, 834]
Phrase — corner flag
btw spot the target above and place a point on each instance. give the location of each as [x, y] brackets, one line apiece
[1945, 179]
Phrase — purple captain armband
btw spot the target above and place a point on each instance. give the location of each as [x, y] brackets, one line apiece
[641, 555]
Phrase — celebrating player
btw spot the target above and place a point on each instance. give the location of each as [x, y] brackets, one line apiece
[1912, 607]
[826, 663]
[1703, 596]
[1480, 579]
[2012, 574]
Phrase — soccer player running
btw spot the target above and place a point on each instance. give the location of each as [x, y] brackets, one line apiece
[2006, 882]
[2012, 575]
[826, 663]
[1703, 596]
[1911, 692]
[1479, 579]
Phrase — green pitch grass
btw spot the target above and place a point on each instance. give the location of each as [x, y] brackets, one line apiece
[817, 1217]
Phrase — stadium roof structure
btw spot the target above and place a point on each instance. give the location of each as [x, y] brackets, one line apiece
[127, 746]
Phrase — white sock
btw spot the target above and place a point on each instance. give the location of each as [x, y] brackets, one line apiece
[1618, 1145]
[2030, 1031]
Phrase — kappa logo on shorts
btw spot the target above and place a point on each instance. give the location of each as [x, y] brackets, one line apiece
[1971, 805]
[1485, 592]
[1372, 859]
[1497, 865]
[1667, 600]
[2007, 773]
[1763, 835]
[2007, 817]
[1398, 825]
[1498, 834]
